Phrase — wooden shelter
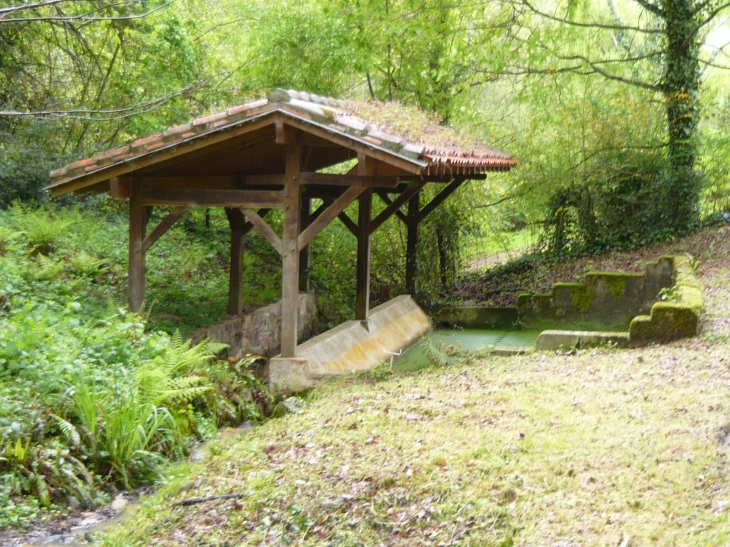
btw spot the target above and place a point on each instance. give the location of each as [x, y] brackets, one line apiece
[267, 155]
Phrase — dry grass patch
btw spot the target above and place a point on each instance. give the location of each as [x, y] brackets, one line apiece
[584, 449]
[601, 448]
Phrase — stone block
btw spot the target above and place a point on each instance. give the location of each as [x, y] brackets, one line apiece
[572, 339]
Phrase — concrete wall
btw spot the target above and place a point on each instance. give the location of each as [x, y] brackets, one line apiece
[477, 317]
[352, 346]
[259, 331]
[675, 318]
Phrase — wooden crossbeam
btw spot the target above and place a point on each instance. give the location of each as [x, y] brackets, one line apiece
[369, 181]
[237, 199]
[164, 225]
[350, 195]
[122, 187]
[396, 204]
[265, 230]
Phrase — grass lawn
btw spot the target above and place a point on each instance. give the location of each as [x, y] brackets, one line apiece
[604, 447]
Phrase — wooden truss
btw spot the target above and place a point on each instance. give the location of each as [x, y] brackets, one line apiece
[248, 199]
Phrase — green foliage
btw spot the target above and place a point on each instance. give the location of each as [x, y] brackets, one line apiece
[88, 395]
[441, 354]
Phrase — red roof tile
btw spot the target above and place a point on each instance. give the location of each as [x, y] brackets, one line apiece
[405, 133]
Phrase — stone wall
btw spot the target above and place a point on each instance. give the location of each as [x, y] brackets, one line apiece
[605, 299]
[259, 331]
[675, 318]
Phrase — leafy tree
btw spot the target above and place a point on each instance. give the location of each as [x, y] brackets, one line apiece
[659, 53]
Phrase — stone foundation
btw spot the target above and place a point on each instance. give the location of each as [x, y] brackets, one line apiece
[259, 331]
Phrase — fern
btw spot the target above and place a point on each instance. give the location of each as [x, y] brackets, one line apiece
[157, 385]
[441, 354]
[69, 431]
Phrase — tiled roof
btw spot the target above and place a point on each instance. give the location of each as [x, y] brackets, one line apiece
[444, 156]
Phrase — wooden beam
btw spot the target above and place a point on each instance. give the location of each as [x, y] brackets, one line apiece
[235, 279]
[137, 230]
[321, 209]
[264, 229]
[439, 199]
[119, 185]
[247, 226]
[350, 195]
[249, 199]
[441, 178]
[367, 181]
[412, 243]
[386, 199]
[164, 225]
[285, 134]
[290, 254]
[365, 208]
[347, 221]
[413, 189]
[305, 217]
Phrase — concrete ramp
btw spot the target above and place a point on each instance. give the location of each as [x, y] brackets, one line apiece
[352, 346]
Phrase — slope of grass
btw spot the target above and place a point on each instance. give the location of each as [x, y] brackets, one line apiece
[600, 447]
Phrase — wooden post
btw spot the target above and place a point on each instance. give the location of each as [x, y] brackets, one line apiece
[235, 282]
[362, 302]
[412, 243]
[290, 248]
[138, 216]
[304, 256]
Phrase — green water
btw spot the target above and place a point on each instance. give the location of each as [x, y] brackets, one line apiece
[464, 340]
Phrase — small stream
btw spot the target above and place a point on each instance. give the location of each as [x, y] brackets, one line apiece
[466, 340]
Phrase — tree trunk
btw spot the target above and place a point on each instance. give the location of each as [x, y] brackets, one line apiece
[681, 87]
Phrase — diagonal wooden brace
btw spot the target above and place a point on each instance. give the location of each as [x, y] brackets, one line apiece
[440, 198]
[396, 204]
[265, 230]
[164, 225]
[332, 212]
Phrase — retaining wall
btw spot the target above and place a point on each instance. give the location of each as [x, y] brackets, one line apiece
[604, 298]
[259, 331]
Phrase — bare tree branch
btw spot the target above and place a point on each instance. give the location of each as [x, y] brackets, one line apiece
[589, 25]
[85, 18]
[104, 114]
[648, 6]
